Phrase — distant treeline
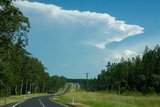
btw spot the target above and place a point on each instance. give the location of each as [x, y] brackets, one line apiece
[82, 82]
[20, 72]
[140, 74]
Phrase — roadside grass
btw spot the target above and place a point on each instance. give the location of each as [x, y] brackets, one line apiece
[61, 90]
[104, 99]
[18, 98]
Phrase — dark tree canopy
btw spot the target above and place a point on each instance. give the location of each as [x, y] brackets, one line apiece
[140, 74]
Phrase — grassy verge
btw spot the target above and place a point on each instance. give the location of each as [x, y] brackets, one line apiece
[103, 99]
[18, 98]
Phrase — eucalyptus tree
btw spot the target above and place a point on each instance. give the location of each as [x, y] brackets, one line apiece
[14, 27]
[19, 70]
[142, 74]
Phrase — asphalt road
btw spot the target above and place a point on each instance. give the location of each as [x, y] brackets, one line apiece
[42, 101]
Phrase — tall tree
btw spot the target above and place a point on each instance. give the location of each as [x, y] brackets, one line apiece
[14, 26]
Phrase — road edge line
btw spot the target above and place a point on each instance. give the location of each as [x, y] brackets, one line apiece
[41, 102]
[57, 102]
[18, 103]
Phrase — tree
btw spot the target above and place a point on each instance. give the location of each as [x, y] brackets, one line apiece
[19, 70]
[14, 26]
[139, 74]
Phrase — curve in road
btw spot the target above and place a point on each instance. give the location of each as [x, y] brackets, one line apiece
[43, 101]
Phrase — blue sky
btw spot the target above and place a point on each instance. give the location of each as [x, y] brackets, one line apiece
[72, 37]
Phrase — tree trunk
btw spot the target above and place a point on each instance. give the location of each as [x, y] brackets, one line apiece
[26, 87]
[15, 90]
[30, 86]
[21, 87]
[44, 86]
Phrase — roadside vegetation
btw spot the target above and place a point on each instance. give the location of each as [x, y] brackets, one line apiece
[129, 83]
[140, 74]
[105, 99]
[20, 71]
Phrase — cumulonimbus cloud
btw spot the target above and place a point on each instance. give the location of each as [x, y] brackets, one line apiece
[75, 38]
[89, 28]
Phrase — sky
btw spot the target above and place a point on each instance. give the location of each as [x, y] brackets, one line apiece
[74, 37]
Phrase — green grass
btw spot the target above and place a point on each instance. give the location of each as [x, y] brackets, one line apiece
[104, 99]
[61, 90]
[18, 98]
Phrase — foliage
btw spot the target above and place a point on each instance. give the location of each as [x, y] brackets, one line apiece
[14, 26]
[137, 74]
[20, 72]
[104, 99]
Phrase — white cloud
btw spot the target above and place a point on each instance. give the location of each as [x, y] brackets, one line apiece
[96, 29]
[101, 45]
[98, 45]
[74, 41]
[125, 54]
[129, 53]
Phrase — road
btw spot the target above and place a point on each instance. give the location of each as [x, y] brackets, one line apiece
[42, 101]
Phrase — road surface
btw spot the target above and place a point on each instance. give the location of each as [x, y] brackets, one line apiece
[42, 101]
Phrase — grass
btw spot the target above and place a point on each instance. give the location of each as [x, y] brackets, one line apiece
[18, 98]
[61, 90]
[104, 99]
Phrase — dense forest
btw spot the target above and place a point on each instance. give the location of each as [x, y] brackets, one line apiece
[20, 71]
[139, 74]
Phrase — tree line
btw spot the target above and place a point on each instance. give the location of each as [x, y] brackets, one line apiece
[20, 71]
[139, 74]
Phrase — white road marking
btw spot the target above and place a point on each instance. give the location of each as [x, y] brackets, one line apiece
[41, 102]
[17, 104]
